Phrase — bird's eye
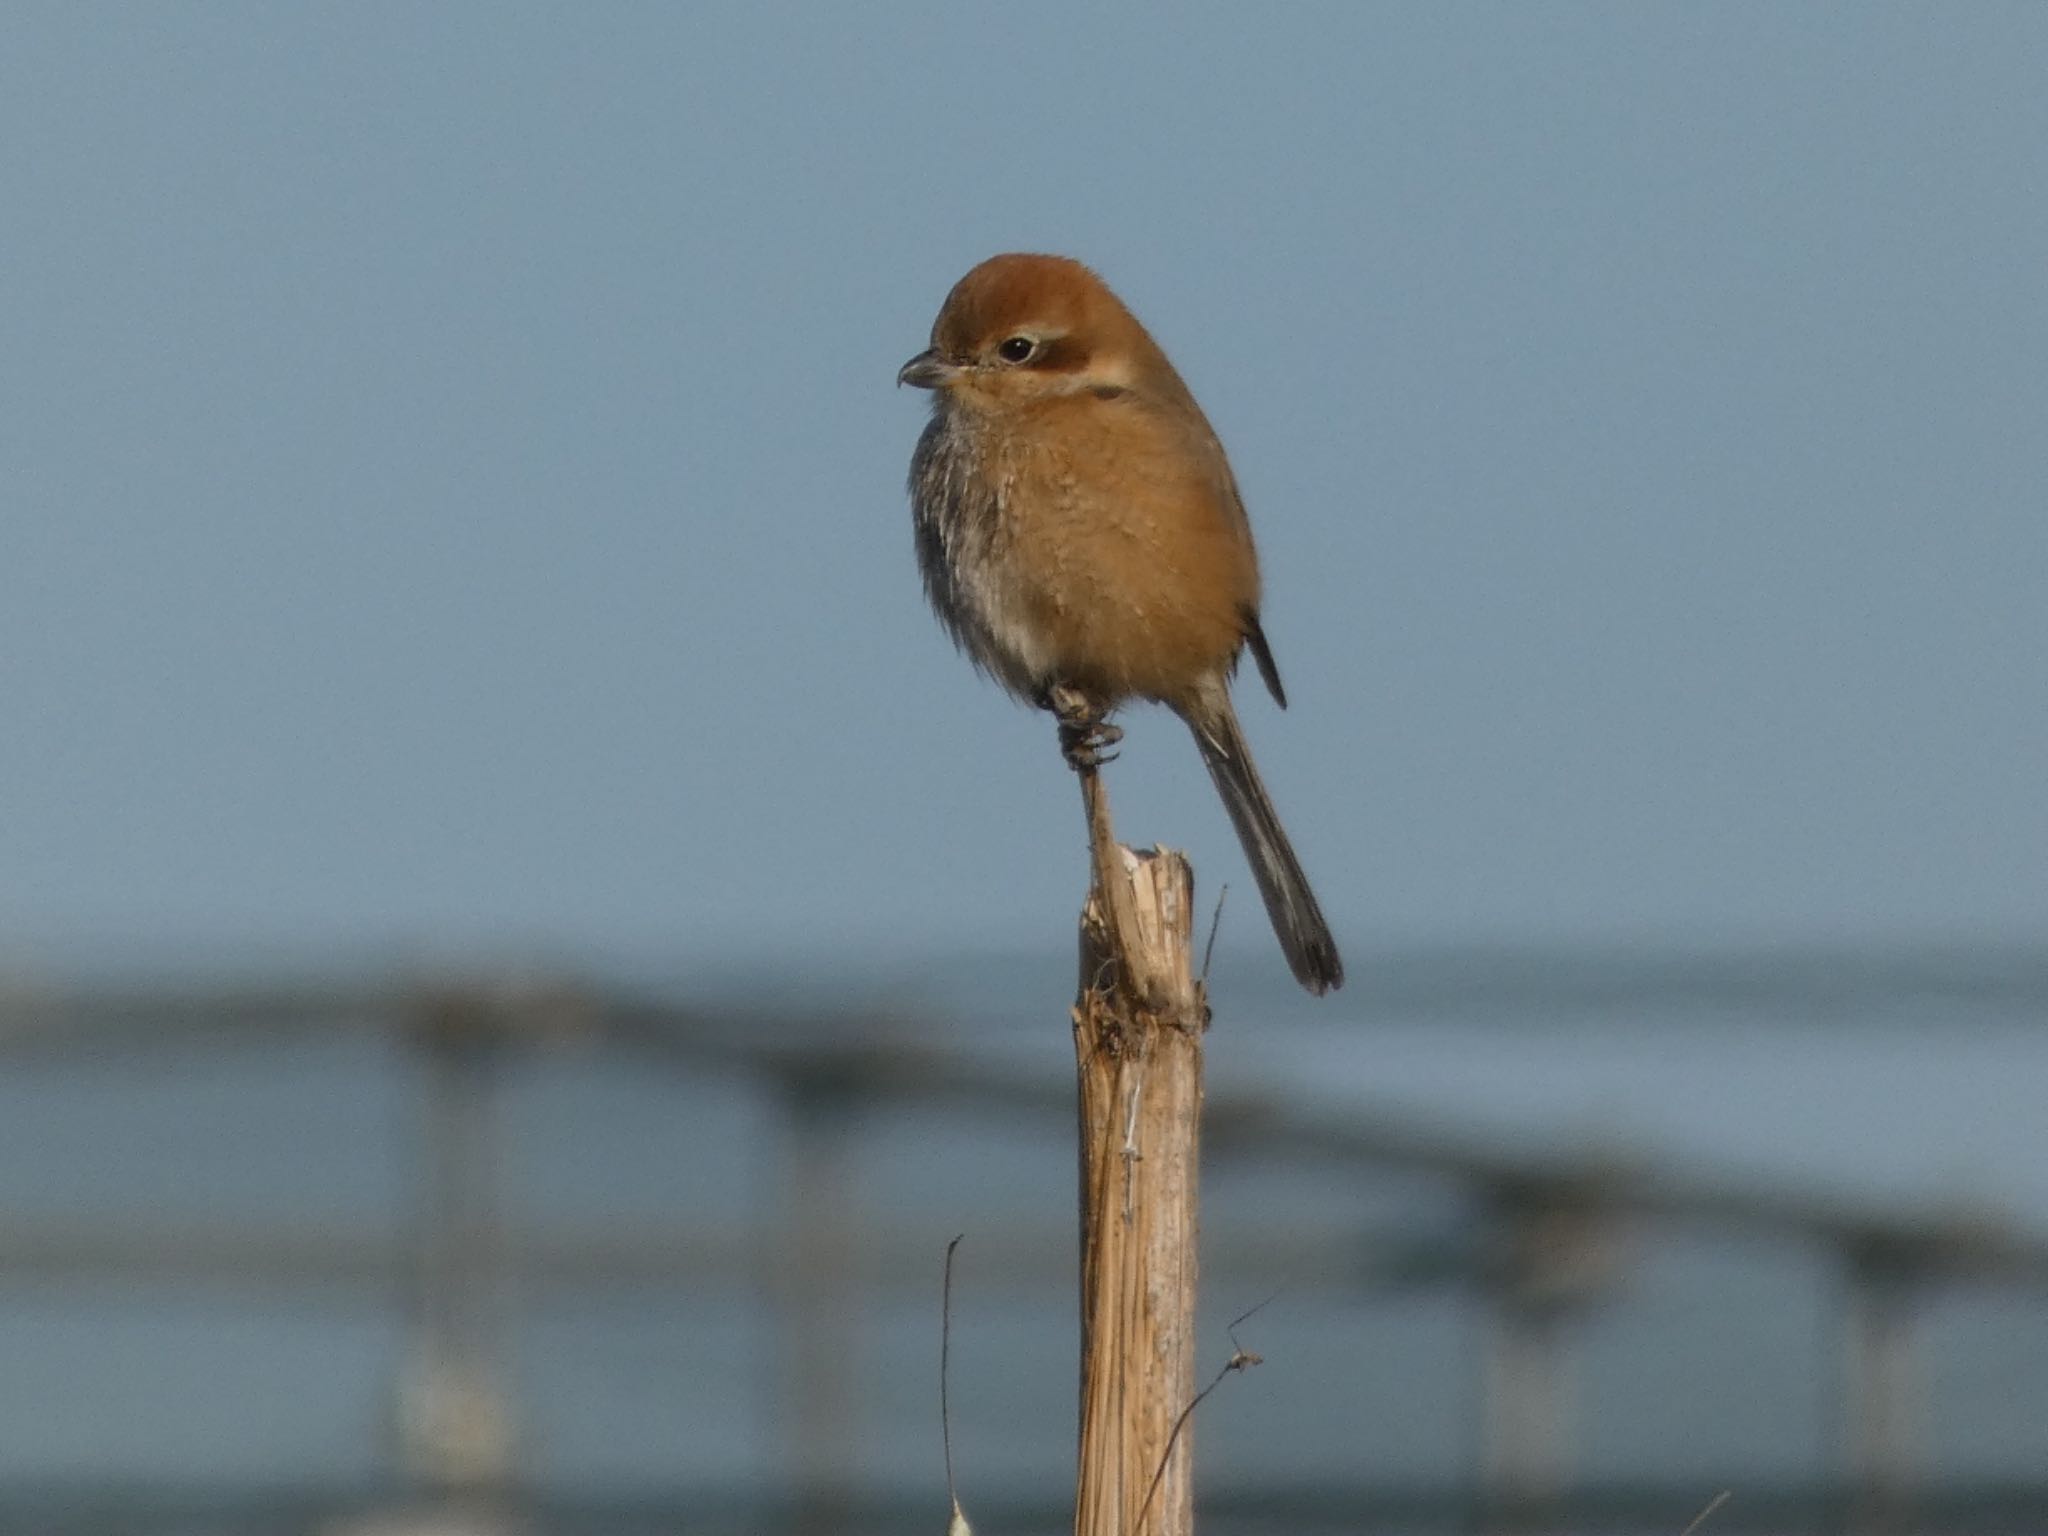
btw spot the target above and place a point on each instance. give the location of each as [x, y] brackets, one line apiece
[1016, 349]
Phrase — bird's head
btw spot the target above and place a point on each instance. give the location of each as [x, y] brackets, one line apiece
[1021, 328]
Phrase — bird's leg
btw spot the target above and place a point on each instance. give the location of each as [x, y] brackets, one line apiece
[1085, 730]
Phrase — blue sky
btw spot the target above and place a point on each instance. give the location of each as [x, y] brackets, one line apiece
[453, 477]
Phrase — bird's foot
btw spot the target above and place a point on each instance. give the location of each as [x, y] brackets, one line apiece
[1085, 731]
[1082, 744]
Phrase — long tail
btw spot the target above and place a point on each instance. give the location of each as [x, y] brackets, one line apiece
[1297, 920]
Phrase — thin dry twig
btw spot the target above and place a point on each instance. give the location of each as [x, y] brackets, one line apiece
[1215, 922]
[957, 1525]
[1713, 1504]
[1241, 1359]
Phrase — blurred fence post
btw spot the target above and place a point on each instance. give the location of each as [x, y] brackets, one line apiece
[1556, 1248]
[456, 1421]
[814, 1287]
[1880, 1386]
[1530, 1409]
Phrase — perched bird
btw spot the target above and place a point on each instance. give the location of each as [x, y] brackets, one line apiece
[1081, 536]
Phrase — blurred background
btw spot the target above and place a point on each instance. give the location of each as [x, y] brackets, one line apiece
[521, 943]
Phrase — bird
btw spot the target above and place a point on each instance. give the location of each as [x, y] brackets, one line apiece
[1081, 538]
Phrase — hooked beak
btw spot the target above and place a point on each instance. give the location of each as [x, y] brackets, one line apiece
[927, 370]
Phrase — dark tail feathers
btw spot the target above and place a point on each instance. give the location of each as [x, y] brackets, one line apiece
[1297, 920]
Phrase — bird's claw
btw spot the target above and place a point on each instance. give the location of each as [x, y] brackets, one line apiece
[1084, 730]
[1083, 740]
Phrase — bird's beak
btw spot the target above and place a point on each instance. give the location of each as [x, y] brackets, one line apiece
[927, 370]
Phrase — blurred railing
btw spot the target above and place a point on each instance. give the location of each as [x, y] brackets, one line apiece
[1546, 1249]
